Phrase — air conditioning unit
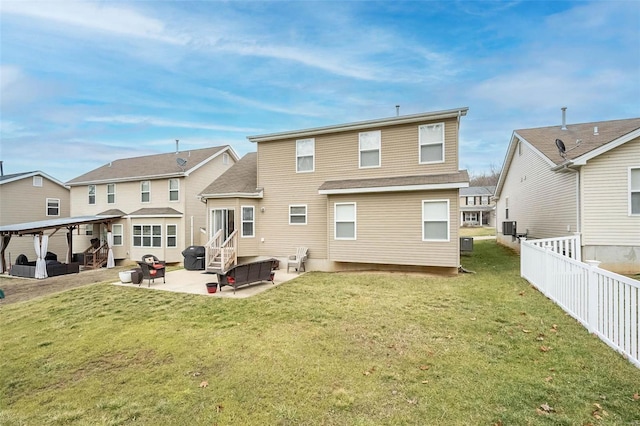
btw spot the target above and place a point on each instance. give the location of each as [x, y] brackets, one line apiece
[509, 228]
[466, 244]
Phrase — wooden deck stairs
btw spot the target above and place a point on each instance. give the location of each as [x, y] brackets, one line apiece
[95, 258]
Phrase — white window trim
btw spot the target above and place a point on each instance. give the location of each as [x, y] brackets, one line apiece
[121, 234]
[355, 221]
[133, 235]
[379, 149]
[420, 144]
[630, 190]
[169, 188]
[95, 190]
[305, 214]
[47, 207]
[167, 235]
[242, 222]
[109, 193]
[313, 156]
[142, 192]
[448, 220]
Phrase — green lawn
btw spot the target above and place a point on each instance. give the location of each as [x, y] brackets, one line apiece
[483, 231]
[331, 349]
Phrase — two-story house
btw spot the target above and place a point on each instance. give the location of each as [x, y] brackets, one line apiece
[30, 197]
[571, 179]
[477, 207]
[156, 197]
[382, 193]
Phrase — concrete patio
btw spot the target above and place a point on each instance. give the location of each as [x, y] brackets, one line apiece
[195, 282]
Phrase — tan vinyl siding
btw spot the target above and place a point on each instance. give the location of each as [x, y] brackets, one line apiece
[540, 201]
[605, 197]
[22, 202]
[389, 230]
[336, 157]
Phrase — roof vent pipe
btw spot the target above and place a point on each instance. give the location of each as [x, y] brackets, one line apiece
[1, 170]
[397, 110]
[177, 143]
[595, 131]
[564, 118]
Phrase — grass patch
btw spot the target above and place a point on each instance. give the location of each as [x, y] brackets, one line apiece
[333, 349]
[480, 231]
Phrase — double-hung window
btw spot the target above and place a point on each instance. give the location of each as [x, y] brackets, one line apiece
[431, 141]
[345, 221]
[248, 221]
[305, 155]
[53, 207]
[298, 214]
[111, 193]
[634, 191]
[370, 148]
[435, 220]
[118, 231]
[172, 235]
[174, 189]
[145, 191]
[91, 189]
[147, 236]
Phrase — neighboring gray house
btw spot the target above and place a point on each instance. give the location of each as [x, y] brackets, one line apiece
[591, 187]
[477, 207]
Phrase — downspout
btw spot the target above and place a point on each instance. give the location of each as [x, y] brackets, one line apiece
[578, 206]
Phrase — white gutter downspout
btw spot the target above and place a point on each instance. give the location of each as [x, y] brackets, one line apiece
[578, 206]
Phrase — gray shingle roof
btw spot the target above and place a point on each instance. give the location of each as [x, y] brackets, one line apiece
[241, 178]
[155, 211]
[399, 181]
[543, 138]
[148, 166]
[477, 191]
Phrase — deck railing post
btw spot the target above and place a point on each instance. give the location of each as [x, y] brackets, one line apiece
[592, 295]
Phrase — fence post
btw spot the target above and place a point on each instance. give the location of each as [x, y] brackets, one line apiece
[592, 296]
[578, 248]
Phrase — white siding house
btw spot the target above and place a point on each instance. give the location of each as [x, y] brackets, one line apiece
[591, 188]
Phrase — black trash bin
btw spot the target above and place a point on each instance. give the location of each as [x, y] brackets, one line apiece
[194, 258]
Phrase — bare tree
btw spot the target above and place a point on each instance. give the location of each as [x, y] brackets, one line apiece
[489, 178]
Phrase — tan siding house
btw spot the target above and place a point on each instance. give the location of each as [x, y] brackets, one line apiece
[31, 197]
[156, 195]
[587, 190]
[374, 194]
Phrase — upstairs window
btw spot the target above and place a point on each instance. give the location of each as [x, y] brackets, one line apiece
[345, 221]
[298, 214]
[435, 220]
[305, 153]
[634, 191]
[37, 181]
[111, 193]
[471, 201]
[118, 231]
[248, 221]
[145, 191]
[53, 207]
[174, 189]
[484, 200]
[92, 194]
[431, 141]
[370, 149]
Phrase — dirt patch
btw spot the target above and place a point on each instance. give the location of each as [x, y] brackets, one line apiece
[21, 289]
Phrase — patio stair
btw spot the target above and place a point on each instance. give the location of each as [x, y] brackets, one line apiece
[221, 255]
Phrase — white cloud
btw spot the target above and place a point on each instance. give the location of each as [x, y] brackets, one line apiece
[159, 122]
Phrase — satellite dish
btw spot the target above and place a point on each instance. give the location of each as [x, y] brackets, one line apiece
[561, 148]
[181, 162]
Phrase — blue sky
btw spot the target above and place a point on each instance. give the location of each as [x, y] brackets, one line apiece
[85, 83]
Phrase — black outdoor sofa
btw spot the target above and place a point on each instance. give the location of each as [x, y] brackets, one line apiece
[249, 273]
[26, 269]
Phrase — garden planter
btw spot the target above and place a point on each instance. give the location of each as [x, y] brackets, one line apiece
[212, 287]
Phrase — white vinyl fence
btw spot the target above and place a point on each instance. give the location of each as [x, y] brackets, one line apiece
[606, 303]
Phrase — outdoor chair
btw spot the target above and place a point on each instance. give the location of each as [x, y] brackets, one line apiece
[152, 268]
[297, 260]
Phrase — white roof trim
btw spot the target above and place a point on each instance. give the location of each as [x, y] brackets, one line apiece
[31, 174]
[234, 195]
[138, 216]
[437, 115]
[206, 160]
[403, 188]
[582, 160]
